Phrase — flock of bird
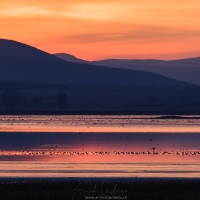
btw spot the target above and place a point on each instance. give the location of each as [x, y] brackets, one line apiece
[91, 120]
[82, 152]
[84, 120]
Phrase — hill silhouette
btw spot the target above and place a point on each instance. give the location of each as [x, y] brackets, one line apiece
[70, 58]
[184, 70]
[31, 79]
[25, 64]
[187, 70]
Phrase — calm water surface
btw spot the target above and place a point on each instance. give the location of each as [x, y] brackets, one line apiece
[99, 146]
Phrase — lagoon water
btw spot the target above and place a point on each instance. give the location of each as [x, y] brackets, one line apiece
[99, 146]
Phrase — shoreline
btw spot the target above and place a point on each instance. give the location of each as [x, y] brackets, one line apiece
[90, 179]
[100, 188]
[172, 113]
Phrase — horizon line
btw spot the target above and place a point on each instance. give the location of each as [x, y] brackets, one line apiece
[125, 58]
[128, 57]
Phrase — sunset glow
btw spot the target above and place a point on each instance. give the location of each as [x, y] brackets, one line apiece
[105, 29]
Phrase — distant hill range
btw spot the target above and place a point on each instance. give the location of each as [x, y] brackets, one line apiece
[42, 79]
[21, 63]
[184, 70]
[71, 58]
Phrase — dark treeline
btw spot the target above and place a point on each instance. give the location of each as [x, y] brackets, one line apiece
[12, 99]
[100, 100]
[19, 86]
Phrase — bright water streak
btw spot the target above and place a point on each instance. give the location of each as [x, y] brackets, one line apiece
[43, 169]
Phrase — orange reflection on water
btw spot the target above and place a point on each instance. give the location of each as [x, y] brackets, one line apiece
[97, 155]
[98, 146]
[102, 123]
[88, 169]
[100, 129]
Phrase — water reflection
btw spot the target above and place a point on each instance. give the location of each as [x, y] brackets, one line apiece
[92, 123]
[44, 169]
[50, 148]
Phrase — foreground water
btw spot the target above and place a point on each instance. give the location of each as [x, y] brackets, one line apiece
[99, 146]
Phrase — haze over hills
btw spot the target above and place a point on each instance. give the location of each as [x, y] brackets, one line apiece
[40, 78]
[185, 69]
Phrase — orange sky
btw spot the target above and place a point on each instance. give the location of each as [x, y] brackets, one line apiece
[97, 29]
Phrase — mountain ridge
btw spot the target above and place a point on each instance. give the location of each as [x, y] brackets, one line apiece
[29, 64]
[70, 58]
[190, 67]
[36, 79]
